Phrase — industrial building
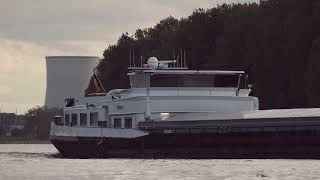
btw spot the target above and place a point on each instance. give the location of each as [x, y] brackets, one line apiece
[67, 76]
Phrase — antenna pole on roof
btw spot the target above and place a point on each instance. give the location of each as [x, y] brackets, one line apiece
[184, 57]
[184, 61]
[134, 63]
[140, 61]
[181, 58]
[174, 57]
[178, 61]
[130, 58]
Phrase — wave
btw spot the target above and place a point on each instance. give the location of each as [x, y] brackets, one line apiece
[30, 155]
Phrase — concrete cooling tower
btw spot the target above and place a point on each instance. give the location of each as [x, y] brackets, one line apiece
[67, 76]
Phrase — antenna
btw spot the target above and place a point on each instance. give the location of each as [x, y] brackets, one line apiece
[178, 57]
[140, 61]
[184, 57]
[130, 58]
[134, 64]
[178, 61]
[181, 57]
[174, 57]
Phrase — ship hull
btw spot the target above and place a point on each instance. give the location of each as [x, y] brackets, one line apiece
[284, 145]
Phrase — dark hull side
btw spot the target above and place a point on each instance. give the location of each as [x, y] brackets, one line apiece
[249, 145]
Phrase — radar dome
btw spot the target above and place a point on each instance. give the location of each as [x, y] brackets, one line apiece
[153, 62]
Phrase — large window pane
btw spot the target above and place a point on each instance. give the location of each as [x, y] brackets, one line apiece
[226, 81]
[117, 122]
[160, 80]
[128, 122]
[195, 80]
[74, 119]
[58, 120]
[94, 119]
[83, 119]
[102, 123]
[66, 119]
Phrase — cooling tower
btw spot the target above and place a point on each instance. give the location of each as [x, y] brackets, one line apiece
[67, 76]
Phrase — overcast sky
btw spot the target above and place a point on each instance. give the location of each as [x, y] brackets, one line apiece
[33, 29]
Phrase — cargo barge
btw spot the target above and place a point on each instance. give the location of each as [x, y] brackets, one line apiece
[172, 112]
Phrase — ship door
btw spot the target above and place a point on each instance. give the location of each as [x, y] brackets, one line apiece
[104, 120]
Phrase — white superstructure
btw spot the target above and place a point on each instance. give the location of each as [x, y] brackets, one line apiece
[67, 76]
[156, 92]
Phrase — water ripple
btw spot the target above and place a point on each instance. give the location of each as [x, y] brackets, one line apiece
[29, 155]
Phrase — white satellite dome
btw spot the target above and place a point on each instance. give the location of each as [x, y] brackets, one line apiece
[153, 62]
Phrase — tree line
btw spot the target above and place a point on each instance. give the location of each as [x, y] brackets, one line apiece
[37, 123]
[277, 42]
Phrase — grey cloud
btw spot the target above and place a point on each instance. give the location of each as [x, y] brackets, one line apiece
[41, 20]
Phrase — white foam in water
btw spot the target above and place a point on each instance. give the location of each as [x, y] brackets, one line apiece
[35, 162]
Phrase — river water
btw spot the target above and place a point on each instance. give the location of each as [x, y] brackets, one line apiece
[39, 162]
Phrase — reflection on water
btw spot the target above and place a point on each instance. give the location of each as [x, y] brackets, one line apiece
[27, 155]
[37, 162]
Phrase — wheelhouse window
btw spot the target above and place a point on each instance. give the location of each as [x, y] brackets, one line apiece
[58, 120]
[102, 123]
[66, 119]
[160, 80]
[83, 119]
[74, 119]
[117, 122]
[226, 81]
[94, 119]
[195, 80]
[128, 122]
